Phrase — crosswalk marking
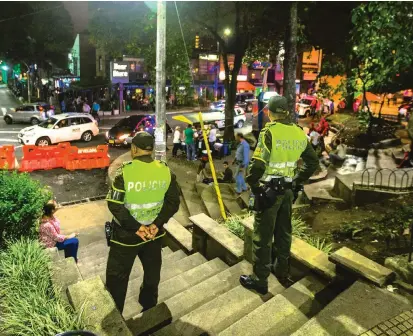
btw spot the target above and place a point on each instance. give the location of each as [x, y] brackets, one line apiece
[9, 132]
[9, 140]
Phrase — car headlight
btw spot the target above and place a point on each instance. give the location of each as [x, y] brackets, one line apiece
[123, 137]
[28, 134]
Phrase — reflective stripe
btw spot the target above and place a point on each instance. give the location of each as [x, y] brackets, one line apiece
[268, 178]
[290, 164]
[145, 213]
[142, 206]
[134, 245]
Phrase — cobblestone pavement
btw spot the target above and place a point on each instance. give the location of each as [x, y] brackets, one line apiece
[400, 325]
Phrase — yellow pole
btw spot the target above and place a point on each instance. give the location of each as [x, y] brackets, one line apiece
[211, 163]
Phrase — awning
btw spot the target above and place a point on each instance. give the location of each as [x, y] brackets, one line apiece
[245, 86]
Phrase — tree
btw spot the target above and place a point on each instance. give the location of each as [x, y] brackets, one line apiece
[238, 18]
[382, 43]
[290, 59]
[114, 28]
[28, 33]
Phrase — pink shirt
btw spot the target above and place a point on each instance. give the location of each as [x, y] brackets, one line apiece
[49, 232]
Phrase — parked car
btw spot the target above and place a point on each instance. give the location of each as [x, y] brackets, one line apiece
[29, 113]
[245, 101]
[219, 117]
[122, 133]
[218, 105]
[268, 95]
[60, 128]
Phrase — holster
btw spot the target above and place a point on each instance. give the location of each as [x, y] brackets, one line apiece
[267, 196]
[108, 231]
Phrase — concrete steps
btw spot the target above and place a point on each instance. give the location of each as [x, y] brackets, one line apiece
[183, 303]
[176, 285]
[282, 314]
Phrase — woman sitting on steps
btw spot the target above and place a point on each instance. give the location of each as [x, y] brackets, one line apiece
[50, 236]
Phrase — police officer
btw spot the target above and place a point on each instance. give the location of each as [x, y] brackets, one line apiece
[143, 197]
[280, 145]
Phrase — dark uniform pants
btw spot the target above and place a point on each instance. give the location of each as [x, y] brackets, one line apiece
[274, 222]
[120, 262]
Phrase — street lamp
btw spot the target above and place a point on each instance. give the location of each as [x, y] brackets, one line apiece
[5, 67]
[227, 32]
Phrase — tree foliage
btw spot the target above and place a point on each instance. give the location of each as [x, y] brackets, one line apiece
[382, 42]
[35, 32]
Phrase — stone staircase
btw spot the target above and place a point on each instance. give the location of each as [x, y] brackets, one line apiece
[200, 293]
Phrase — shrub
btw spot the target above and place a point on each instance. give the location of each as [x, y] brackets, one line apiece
[21, 204]
[28, 302]
[299, 227]
[319, 243]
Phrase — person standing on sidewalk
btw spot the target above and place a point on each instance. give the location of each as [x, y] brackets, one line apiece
[143, 197]
[177, 141]
[190, 143]
[242, 159]
[275, 181]
[95, 110]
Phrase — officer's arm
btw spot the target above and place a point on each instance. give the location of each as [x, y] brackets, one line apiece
[260, 160]
[170, 205]
[116, 200]
[311, 164]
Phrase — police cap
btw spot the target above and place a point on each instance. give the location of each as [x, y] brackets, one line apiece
[143, 140]
[278, 104]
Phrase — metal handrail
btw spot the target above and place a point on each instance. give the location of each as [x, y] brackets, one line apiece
[77, 333]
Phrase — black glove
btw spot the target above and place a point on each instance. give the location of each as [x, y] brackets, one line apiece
[296, 190]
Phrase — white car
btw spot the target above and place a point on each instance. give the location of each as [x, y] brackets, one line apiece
[268, 95]
[239, 118]
[60, 128]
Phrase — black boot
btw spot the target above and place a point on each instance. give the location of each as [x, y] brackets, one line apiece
[248, 282]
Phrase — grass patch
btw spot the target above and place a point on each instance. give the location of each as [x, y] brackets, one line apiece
[299, 230]
[29, 305]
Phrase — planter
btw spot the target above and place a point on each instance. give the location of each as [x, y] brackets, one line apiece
[108, 113]
[115, 112]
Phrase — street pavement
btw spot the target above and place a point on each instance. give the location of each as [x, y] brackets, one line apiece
[8, 133]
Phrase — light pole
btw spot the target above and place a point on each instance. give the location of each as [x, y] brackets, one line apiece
[160, 131]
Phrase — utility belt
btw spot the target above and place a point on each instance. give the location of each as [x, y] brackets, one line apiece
[268, 193]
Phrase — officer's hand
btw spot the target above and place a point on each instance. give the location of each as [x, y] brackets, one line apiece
[143, 232]
[153, 230]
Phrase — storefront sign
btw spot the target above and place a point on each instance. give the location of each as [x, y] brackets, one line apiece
[120, 70]
[240, 78]
[209, 57]
[261, 65]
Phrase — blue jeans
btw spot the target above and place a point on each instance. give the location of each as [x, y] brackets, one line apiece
[239, 179]
[70, 246]
[190, 151]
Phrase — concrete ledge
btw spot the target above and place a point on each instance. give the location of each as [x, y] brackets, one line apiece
[362, 266]
[64, 273]
[99, 309]
[53, 253]
[213, 240]
[301, 251]
[178, 236]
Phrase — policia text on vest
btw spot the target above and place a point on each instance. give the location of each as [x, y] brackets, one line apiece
[143, 197]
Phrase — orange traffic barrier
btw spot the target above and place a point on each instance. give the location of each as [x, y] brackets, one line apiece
[7, 157]
[44, 158]
[88, 158]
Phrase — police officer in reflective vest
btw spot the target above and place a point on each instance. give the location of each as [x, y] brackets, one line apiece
[143, 197]
[274, 180]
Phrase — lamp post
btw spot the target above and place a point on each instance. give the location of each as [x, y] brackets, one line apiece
[160, 131]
